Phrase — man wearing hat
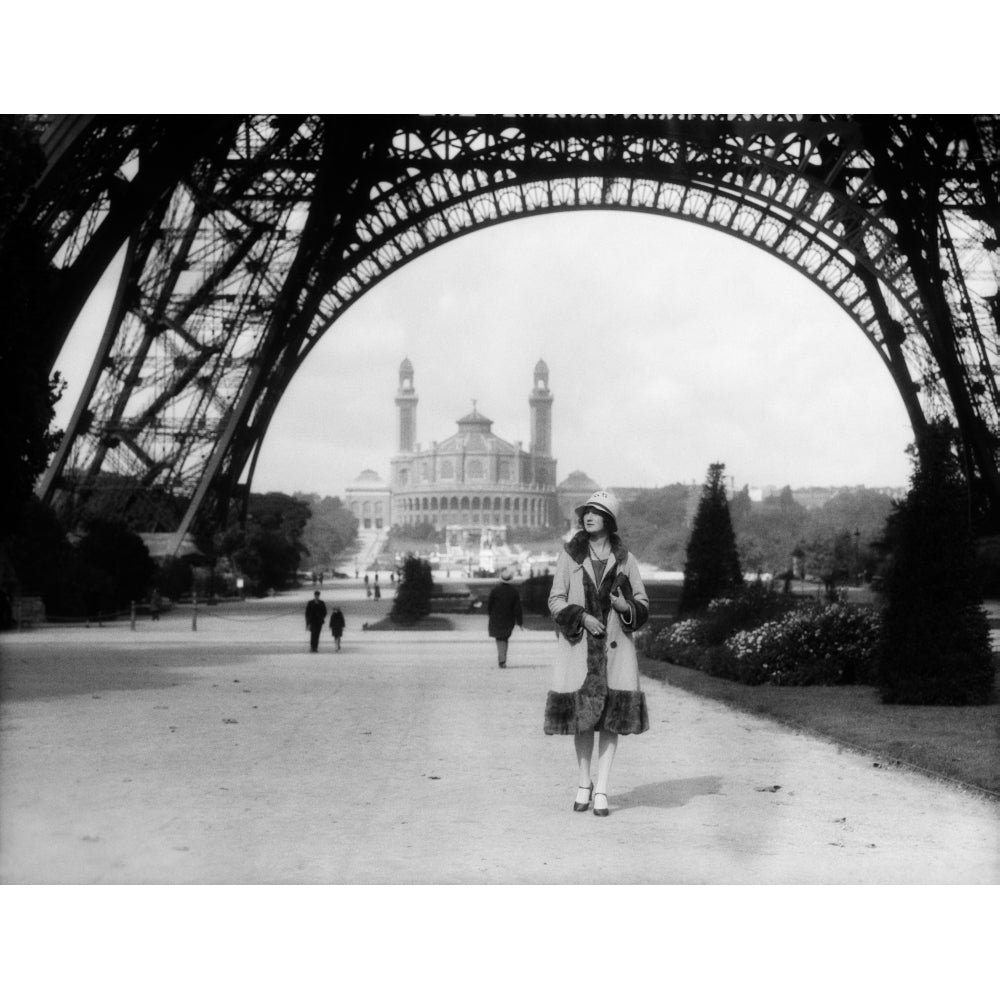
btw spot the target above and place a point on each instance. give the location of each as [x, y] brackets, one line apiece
[504, 609]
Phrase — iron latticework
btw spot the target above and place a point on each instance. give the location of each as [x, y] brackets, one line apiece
[246, 237]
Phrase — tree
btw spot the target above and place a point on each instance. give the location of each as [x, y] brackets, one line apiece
[268, 551]
[330, 529]
[39, 551]
[28, 392]
[112, 549]
[935, 647]
[279, 512]
[712, 564]
[413, 595]
[657, 524]
[173, 577]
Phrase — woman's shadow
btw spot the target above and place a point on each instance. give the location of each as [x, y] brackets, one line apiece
[669, 794]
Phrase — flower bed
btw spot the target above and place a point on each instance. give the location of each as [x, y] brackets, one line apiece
[805, 644]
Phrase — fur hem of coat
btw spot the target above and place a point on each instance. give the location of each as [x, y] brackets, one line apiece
[625, 713]
[571, 712]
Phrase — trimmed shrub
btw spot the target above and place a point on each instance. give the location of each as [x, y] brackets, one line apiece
[413, 595]
[712, 563]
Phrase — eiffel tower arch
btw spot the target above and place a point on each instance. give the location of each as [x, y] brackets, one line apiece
[245, 237]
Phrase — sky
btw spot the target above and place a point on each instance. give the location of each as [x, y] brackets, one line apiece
[669, 345]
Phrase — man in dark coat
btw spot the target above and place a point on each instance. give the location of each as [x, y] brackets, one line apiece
[504, 609]
[315, 616]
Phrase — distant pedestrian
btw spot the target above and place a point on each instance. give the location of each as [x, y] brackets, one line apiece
[378, 590]
[504, 609]
[315, 616]
[337, 624]
[154, 605]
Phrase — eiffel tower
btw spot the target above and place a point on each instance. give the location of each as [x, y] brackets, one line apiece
[245, 237]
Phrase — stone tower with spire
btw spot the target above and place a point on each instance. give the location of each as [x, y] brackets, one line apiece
[540, 402]
[406, 401]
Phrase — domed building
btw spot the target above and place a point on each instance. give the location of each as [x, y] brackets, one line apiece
[368, 498]
[475, 479]
[573, 491]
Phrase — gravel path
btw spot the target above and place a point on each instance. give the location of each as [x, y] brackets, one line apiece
[231, 754]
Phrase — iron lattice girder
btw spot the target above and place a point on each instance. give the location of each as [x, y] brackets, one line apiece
[250, 235]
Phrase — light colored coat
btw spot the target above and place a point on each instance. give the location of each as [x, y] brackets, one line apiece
[570, 666]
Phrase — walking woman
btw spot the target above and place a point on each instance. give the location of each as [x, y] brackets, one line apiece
[597, 602]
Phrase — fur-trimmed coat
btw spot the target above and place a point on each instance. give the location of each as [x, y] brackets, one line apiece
[595, 680]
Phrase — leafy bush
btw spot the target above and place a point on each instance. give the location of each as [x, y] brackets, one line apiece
[758, 636]
[682, 642]
[743, 609]
[831, 645]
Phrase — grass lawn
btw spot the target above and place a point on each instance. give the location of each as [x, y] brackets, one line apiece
[961, 744]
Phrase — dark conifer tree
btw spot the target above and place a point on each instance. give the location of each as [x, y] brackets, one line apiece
[712, 565]
[935, 647]
[413, 595]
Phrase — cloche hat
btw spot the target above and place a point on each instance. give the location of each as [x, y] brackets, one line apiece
[603, 501]
[506, 573]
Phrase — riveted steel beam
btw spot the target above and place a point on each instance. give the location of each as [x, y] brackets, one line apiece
[252, 234]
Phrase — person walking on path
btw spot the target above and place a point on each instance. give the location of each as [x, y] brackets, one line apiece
[597, 602]
[337, 624]
[504, 609]
[315, 616]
